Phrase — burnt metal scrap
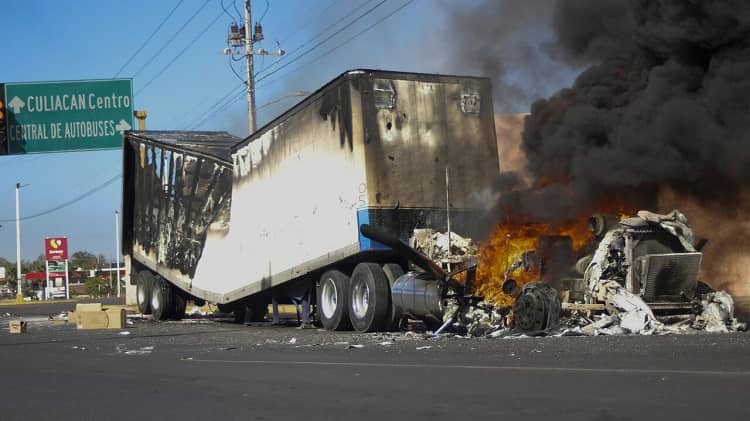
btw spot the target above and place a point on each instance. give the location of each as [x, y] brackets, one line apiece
[639, 276]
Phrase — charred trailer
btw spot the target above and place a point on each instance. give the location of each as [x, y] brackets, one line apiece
[369, 148]
[176, 189]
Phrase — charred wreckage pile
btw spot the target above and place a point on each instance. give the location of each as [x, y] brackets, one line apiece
[637, 275]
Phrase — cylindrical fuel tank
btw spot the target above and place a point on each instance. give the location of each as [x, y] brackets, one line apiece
[418, 296]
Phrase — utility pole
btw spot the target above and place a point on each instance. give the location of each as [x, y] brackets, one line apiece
[250, 72]
[248, 34]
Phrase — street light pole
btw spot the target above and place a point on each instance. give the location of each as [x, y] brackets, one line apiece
[117, 250]
[19, 288]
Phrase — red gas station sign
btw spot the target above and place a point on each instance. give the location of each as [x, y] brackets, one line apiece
[56, 248]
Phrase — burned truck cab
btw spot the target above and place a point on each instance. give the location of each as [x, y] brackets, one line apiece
[651, 256]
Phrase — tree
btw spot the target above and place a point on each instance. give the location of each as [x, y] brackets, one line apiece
[36, 265]
[98, 286]
[83, 260]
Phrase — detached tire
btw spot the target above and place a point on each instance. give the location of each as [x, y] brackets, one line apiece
[369, 298]
[161, 299]
[392, 272]
[332, 296]
[144, 285]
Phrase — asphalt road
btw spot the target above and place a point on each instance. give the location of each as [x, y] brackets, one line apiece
[198, 368]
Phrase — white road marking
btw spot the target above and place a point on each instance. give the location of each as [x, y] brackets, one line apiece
[483, 367]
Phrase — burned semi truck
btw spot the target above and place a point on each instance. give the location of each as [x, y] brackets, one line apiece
[207, 216]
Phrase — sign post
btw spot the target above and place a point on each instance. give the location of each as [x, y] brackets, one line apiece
[66, 116]
[55, 252]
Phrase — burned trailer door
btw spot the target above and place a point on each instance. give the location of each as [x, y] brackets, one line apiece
[418, 128]
[177, 188]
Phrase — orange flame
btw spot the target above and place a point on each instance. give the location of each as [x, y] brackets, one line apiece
[507, 244]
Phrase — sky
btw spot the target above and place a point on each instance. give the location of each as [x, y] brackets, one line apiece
[180, 77]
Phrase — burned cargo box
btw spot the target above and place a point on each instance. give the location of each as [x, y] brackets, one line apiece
[177, 188]
[370, 147]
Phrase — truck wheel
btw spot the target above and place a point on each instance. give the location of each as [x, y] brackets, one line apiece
[392, 272]
[144, 285]
[333, 301]
[161, 299]
[179, 302]
[369, 299]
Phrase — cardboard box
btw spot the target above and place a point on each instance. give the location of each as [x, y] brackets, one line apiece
[91, 320]
[116, 318]
[93, 316]
[17, 326]
[89, 307]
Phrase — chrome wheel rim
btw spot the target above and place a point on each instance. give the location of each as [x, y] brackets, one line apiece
[329, 298]
[360, 299]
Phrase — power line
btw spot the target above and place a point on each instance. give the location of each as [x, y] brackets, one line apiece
[227, 11]
[345, 27]
[149, 38]
[69, 202]
[239, 14]
[223, 102]
[264, 12]
[231, 100]
[172, 38]
[219, 101]
[311, 21]
[323, 32]
[348, 40]
[163, 69]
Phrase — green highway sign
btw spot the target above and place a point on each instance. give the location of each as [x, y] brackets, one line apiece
[67, 116]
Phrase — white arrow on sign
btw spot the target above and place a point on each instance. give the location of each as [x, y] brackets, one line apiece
[16, 103]
[122, 126]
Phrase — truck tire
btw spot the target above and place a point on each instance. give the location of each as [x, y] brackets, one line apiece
[144, 285]
[161, 299]
[333, 301]
[392, 272]
[179, 303]
[369, 298]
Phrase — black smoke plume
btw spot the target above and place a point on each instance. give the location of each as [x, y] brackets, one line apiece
[665, 104]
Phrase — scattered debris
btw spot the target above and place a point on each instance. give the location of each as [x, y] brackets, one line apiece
[420, 348]
[146, 350]
[292, 341]
[443, 247]
[79, 348]
[355, 346]
[718, 314]
[124, 333]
